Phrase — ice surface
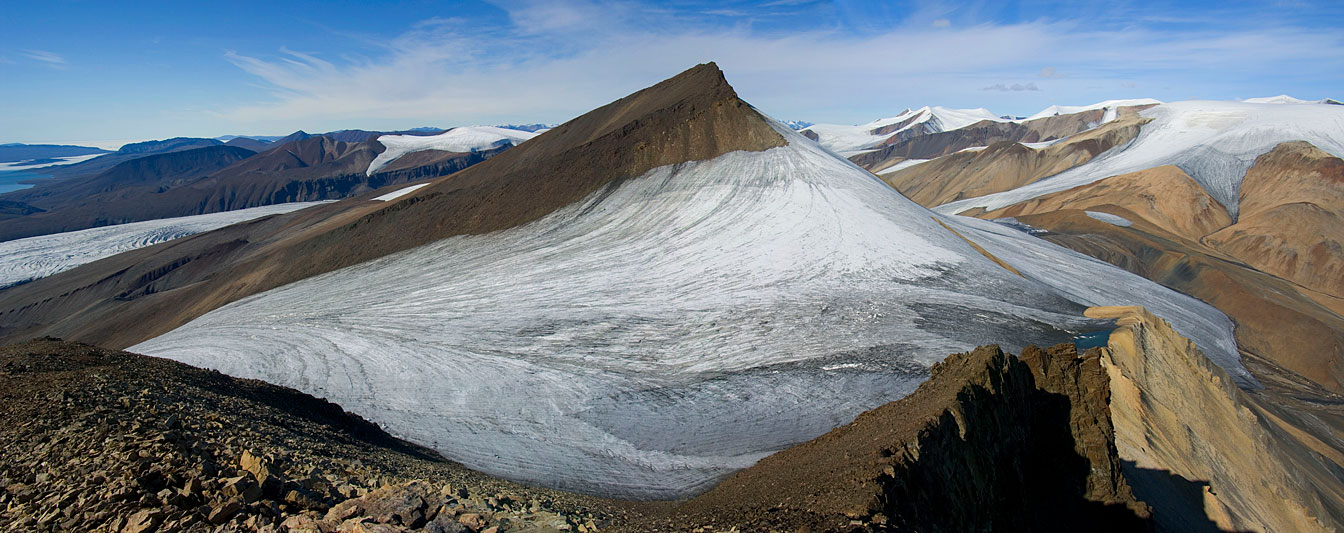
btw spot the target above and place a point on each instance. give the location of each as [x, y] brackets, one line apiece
[68, 160]
[1282, 99]
[668, 330]
[465, 139]
[24, 260]
[1109, 105]
[1214, 142]
[400, 192]
[1109, 218]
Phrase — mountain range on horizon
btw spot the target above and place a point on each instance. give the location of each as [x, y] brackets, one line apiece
[676, 298]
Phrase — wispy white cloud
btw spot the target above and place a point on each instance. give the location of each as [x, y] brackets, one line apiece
[557, 59]
[52, 59]
[1015, 87]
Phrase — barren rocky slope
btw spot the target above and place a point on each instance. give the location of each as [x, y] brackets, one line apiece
[1291, 222]
[1163, 197]
[98, 440]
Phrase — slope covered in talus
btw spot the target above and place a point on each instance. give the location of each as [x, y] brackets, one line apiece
[662, 331]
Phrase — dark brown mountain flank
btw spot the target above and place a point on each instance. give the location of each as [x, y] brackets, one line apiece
[132, 297]
[1005, 164]
[223, 178]
[1291, 218]
[991, 442]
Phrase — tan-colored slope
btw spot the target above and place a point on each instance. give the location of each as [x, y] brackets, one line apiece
[990, 442]
[1005, 165]
[120, 301]
[1195, 447]
[1275, 320]
[1291, 221]
[1165, 197]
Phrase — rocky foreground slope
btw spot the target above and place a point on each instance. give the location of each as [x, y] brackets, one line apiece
[1143, 434]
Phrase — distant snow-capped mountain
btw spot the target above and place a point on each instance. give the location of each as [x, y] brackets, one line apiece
[1285, 99]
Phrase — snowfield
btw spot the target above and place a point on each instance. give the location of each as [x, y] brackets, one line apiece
[851, 140]
[465, 139]
[1214, 142]
[663, 332]
[24, 260]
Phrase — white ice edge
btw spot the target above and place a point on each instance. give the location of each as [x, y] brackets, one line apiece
[1115, 220]
[400, 192]
[24, 260]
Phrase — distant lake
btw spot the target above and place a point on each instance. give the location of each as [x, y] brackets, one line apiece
[9, 180]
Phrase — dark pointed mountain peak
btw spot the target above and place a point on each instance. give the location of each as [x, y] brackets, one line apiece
[695, 115]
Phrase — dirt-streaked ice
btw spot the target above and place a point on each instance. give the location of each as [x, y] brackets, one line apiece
[24, 260]
[665, 331]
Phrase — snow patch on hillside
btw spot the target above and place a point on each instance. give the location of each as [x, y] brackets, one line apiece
[400, 192]
[465, 139]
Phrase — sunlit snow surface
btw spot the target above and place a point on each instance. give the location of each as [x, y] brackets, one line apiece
[1214, 142]
[465, 139]
[664, 332]
[23, 260]
[850, 140]
[400, 192]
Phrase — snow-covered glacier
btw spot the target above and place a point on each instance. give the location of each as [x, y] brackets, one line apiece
[667, 330]
[23, 260]
[1214, 142]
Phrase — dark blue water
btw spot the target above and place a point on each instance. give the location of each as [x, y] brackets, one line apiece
[9, 180]
[1092, 339]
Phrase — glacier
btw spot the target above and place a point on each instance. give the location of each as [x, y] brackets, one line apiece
[671, 328]
[24, 260]
[1214, 142]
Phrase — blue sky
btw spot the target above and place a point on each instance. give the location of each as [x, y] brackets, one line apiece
[86, 71]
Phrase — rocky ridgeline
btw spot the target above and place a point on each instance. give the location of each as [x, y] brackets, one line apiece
[97, 440]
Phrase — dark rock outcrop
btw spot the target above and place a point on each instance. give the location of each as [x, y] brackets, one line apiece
[990, 442]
